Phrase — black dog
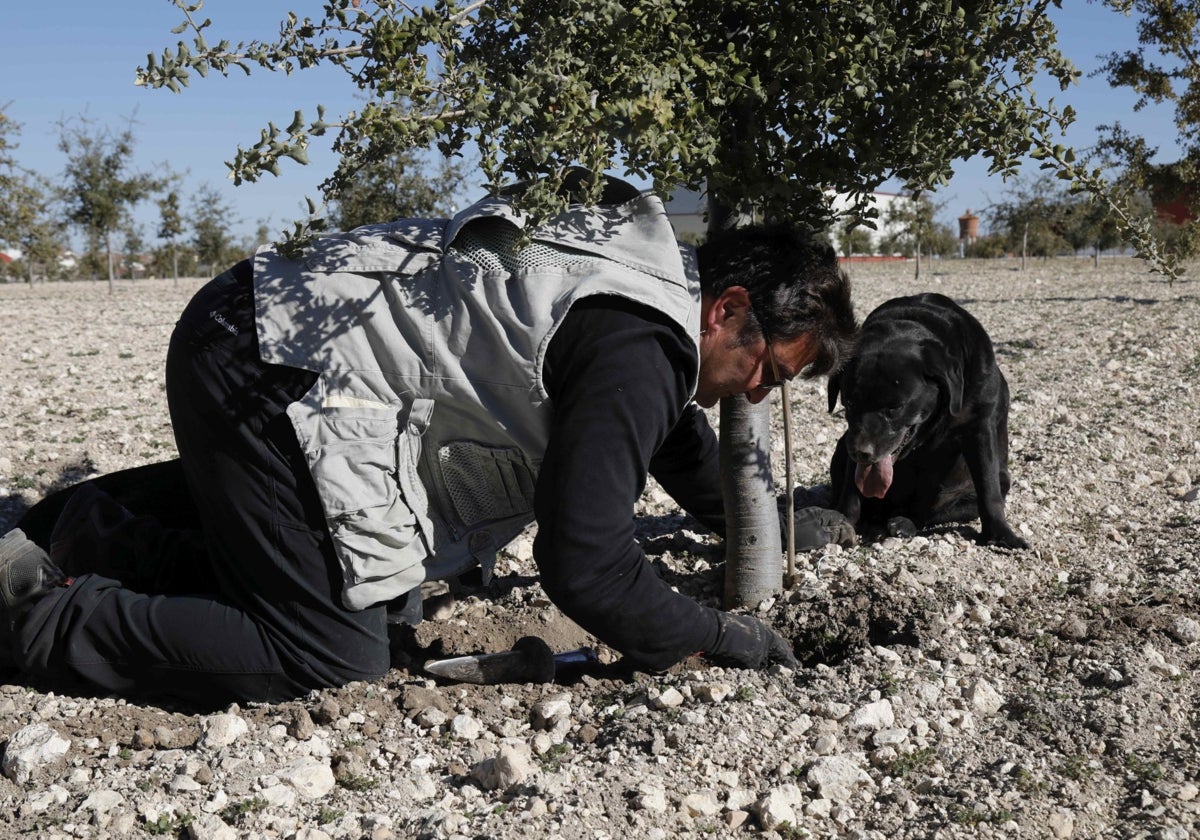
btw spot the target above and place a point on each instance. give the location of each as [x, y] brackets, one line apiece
[927, 410]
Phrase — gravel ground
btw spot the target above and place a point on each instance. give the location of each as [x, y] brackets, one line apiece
[948, 690]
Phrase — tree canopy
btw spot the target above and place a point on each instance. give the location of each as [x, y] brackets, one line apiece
[26, 206]
[8, 133]
[170, 227]
[400, 184]
[752, 104]
[913, 230]
[212, 220]
[1163, 70]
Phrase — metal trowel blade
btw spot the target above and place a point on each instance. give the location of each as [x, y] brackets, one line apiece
[530, 660]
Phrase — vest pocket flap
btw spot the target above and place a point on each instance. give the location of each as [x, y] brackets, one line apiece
[354, 461]
[332, 255]
[486, 483]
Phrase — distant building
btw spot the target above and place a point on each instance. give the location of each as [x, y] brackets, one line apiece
[686, 209]
[1173, 195]
[968, 228]
[884, 203]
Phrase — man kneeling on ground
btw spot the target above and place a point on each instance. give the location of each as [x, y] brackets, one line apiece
[397, 404]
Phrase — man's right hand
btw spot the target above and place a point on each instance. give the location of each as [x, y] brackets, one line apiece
[746, 642]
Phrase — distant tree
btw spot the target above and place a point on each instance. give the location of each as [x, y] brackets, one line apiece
[986, 247]
[1032, 218]
[27, 219]
[853, 238]
[895, 244]
[170, 228]
[1107, 232]
[8, 164]
[943, 240]
[8, 131]
[92, 262]
[178, 260]
[398, 185]
[1164, 68]
[261, 236]
[134, 244]
[1087, 224]
[29, 222]
[99, 188]
[212, 224]
[915, 230]
[1075, 226]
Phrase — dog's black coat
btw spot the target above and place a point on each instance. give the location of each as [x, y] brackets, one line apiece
[927, 414]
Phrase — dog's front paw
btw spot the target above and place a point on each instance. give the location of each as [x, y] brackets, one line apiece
[901, 526]
[1003, 535]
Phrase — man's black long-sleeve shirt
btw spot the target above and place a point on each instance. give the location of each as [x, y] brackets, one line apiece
[619, 376]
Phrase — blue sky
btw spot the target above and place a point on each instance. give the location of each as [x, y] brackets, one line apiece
[77, 57]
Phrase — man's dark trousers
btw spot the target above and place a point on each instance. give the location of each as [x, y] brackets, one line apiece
[274, 627]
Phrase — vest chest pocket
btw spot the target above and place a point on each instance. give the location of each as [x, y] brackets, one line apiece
[486, 483]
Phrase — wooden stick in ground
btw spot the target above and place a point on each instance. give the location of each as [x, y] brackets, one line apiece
[789, 579]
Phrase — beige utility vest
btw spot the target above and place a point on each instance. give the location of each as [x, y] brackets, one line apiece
[427, 425]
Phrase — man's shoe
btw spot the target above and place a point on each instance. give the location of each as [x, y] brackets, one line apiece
[26, 574]
[80, 540]
[407, 609]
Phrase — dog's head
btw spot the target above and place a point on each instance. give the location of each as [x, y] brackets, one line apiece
[891, 394]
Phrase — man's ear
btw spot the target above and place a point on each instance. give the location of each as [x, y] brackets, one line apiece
[729, 311]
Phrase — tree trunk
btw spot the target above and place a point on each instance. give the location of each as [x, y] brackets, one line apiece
[1096, 257]
[112, 287]
[1024, 245]
[917, 273]
[753, 564]
[753, 553]
[174, 264]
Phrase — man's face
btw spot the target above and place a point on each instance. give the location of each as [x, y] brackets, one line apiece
[734, 362]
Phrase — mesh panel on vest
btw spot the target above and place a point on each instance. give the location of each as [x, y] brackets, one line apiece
[469, 488]
[484, 482]
[492, 245]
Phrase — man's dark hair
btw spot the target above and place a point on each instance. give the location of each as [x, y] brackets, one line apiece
[794, 283]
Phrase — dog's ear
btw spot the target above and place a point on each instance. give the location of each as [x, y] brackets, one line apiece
[834, 386]
[947, 370]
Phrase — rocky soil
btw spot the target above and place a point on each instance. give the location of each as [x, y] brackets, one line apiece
[947, 690]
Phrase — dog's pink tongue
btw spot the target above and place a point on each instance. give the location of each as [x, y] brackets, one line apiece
[873, 480]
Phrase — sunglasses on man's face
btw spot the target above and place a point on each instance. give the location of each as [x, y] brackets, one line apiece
[777, 381]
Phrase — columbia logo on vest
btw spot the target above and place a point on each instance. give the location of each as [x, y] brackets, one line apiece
[220, 319]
